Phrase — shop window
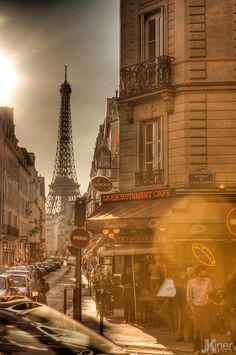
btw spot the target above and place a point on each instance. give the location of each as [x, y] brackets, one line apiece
[9, 218]
[150, 145]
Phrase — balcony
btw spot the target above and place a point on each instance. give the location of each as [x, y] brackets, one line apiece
[145, 76]
[153, 177]
[10, 231]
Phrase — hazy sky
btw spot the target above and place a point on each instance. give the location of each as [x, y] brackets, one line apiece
[40, 38]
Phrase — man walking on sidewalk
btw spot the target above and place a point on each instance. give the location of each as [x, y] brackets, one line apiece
[128, 293]
[198, 291]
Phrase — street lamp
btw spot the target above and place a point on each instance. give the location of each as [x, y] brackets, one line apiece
[111, 232]
[105, 231]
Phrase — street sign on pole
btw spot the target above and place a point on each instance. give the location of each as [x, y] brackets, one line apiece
[231, 221]
[80, 238]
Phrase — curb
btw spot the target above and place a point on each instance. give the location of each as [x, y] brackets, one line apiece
[146, 346]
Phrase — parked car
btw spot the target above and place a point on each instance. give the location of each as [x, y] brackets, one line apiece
[22, 282]
[32, 328]
[56, 260]
[71, 261]
[17, 271]
[47, 267]
[8, 288]
[51, 265]
[42, 269]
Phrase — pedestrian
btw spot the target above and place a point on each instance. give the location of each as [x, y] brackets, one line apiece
[128, 294]
[65, 263]
[44, 289]
[156, 277]
[35, 287]
[177, 303]
[198, 296]
[185, 326]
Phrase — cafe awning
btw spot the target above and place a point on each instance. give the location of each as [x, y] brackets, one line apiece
[93, 247]
[131, 250]
[130, 214]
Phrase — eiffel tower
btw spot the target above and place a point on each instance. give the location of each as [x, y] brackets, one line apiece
[64, 186]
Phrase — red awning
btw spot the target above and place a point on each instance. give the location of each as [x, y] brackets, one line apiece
[131, 214]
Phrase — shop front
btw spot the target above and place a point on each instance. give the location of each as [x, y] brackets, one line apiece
[133, 223]
[159, 233]
[9, 250]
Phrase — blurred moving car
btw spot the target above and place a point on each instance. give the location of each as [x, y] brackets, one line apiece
[8, 288]
[19, 304]
[39, 329]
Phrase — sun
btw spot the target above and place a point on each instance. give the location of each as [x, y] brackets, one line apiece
[8, 79]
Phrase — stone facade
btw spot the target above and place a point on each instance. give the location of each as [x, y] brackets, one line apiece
[197, 107]
[21, 213]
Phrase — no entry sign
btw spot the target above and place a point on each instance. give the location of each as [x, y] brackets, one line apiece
[231, 221]
[79, 238]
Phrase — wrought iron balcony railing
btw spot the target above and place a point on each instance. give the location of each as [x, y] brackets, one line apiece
[145, 76]
[10, 230]
[153, 177]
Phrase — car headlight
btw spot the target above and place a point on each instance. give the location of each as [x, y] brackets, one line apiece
[34, 293]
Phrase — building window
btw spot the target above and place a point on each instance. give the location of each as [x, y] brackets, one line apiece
[152, 35]
[150, 145]
[150, 153]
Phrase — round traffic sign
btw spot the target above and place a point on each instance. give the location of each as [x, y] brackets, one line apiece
[80, 238]
[231, 221]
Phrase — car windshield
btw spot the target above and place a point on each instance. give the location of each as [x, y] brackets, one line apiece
[19, 280]
[68, 331]
[2, 283]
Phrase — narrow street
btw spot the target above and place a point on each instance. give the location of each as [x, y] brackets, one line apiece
[59, 280]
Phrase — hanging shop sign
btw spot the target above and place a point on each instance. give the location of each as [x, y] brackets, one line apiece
[140, 195]
[127, 239]
[101, 184]
[198, 229]
[103, 157]
[231, 221]
[203, 254]
[153, 223]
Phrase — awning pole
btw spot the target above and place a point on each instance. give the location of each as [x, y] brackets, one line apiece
[134, 288]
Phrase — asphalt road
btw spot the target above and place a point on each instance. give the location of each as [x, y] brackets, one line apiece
[58, 281]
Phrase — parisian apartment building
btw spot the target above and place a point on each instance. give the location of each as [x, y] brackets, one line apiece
[22, 198]
[177, 131]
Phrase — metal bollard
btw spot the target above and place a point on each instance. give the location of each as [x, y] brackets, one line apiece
[101, 313]
[65, 301]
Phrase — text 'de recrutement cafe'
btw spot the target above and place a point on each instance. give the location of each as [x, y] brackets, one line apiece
[140, 195]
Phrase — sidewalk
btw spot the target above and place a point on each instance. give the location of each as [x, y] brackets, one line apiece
[136, 337]
[130, 335]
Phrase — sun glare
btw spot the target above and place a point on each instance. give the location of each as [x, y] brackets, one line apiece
[8, 79]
